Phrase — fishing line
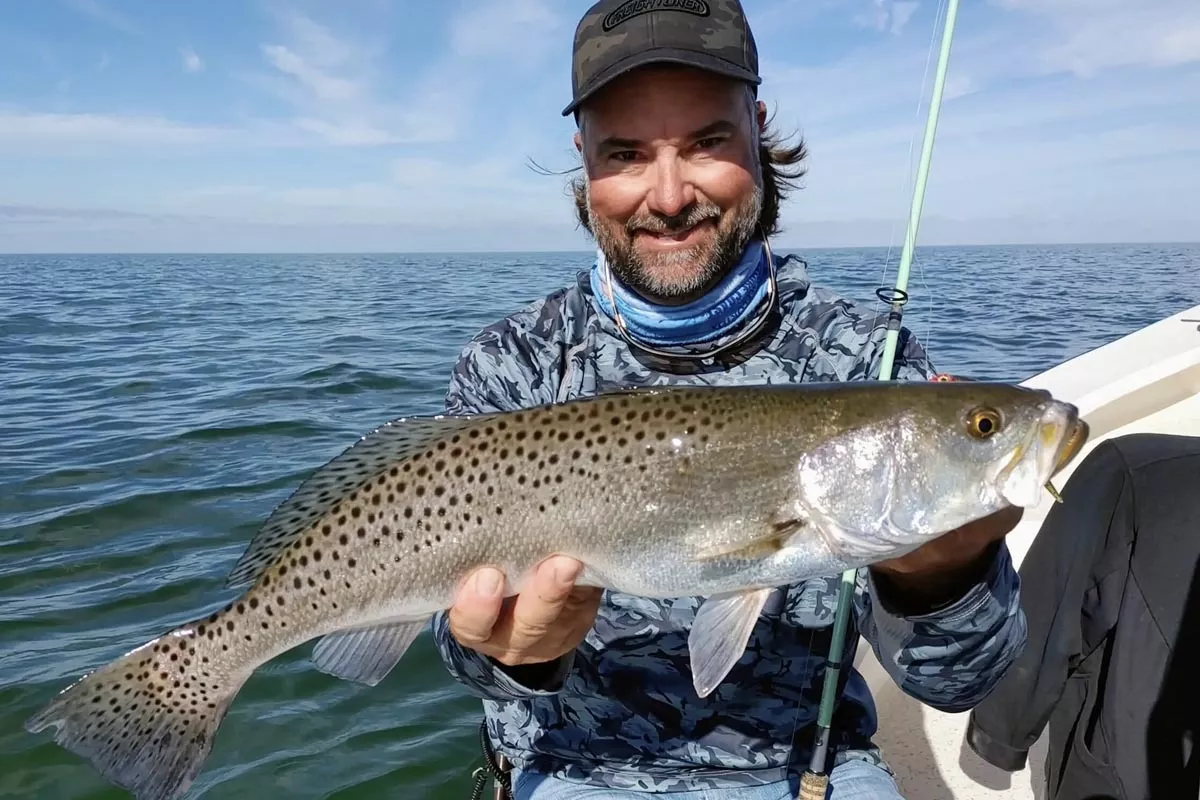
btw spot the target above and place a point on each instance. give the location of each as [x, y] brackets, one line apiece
[809, 671]
[927, 336]
[908, 179]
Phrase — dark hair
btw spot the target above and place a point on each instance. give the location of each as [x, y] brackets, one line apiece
[782, 167]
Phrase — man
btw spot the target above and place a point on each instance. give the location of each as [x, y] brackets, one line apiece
[587, 693]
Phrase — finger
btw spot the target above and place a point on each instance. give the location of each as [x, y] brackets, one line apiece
[474, 613]
[581, 608]
[540, 604]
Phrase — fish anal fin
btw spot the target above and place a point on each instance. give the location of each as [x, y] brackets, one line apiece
[366, 655]
[358, 464]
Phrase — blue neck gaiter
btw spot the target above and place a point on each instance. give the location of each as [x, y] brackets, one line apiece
[728, 305]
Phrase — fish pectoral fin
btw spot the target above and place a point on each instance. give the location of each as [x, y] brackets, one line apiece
[766, 542]
[366, 655]
[719, 635]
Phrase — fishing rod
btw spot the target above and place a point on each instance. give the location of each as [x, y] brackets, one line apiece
[814, 781]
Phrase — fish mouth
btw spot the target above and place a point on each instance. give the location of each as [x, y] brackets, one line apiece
[1077, 437]
[1055, 441]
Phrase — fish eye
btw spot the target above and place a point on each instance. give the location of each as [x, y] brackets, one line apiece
[983, 422]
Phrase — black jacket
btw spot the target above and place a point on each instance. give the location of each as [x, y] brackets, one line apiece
[1111, 591]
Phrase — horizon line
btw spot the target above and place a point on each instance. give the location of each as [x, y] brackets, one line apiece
[791, 248]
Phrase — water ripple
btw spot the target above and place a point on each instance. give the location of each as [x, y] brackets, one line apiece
[156, 408]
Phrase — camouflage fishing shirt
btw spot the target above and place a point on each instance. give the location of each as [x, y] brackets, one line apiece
[621, 711]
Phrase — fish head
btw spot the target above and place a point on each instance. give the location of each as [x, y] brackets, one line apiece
[948, 456]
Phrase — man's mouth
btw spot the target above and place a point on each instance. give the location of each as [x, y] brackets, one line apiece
[677, 236]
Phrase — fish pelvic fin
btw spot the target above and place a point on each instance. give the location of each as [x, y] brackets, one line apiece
[366, 655]
[378, 451]
[146, 721]
[719, 634]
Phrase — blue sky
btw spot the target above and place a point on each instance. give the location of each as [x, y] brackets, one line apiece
[249, 125]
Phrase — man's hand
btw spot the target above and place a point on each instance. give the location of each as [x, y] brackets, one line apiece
[547, 620]
[941, 571]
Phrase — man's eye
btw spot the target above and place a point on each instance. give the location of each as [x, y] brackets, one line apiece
[624, 155]
[710, 142]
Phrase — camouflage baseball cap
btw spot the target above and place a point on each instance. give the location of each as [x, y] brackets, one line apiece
[616, 36]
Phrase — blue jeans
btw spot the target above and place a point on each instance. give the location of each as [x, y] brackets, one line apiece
[853, 780]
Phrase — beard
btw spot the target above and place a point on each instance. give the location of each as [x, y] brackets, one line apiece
[678, 276]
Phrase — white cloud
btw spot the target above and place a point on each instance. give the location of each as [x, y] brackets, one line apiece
[887, 15]
[17, 128]
[108, 16]
[319, 82]
[1052, 122]
[192, 63]
[66, 135]
[525, 30]
[413, 190]
[1072, 112]
[1087, 36]
[329, 79]
[334, 78]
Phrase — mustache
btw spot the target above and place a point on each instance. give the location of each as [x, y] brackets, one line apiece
[658, 224]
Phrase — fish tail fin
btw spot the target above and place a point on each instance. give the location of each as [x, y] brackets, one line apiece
[147, 720]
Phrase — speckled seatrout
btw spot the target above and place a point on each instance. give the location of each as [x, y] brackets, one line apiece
[720, 492]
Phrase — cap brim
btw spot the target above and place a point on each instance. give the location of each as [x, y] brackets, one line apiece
[663, 55]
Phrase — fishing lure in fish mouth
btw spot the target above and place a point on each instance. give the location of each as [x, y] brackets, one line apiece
[719, 492]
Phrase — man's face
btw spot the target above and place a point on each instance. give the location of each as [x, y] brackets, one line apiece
[673, 179]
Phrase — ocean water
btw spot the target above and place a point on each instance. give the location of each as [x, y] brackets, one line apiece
[154, 409]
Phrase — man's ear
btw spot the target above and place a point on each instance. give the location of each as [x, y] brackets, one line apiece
[578, 141]
[762, 117]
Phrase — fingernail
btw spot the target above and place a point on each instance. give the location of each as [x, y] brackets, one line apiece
[566, 570]
[487, 582]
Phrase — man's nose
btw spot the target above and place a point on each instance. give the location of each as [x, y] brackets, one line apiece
[673, 190]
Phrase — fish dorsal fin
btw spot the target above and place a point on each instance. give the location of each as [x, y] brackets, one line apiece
[358, 464]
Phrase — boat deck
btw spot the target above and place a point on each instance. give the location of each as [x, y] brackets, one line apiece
[1148, 381]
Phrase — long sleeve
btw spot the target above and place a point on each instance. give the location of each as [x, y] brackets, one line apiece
[1056, 574]
[485, 381]
[951, 658]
